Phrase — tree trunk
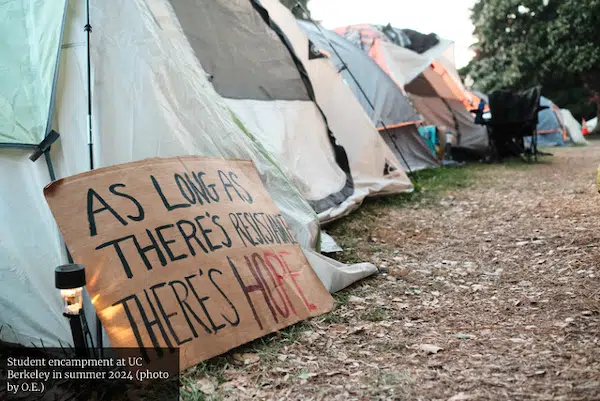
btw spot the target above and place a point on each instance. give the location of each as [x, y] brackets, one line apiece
[591, 80]
[597, 100]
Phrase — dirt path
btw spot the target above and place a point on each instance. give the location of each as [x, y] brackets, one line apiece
[490, 292]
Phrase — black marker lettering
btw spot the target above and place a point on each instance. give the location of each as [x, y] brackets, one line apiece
[200, 301]
[233, 178]
[164, 199]
[165, 243]
[134, 327]
[185, 307]
[205, 232]
[137, 204]
[187, 193]
[227, 242]
[91, 212]
[166, 316]
[189, 236]
[247, 289]
[227, 184]
[237, 316]
[142, 251]
[156, 321]
[119, 251]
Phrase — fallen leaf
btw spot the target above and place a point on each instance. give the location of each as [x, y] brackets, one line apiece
[415, 291]
[430, 348]
[352, 299]
[208, 385]
[460, 397]
[399, 273]
[306, 375]
[310, 336]
[246, 358]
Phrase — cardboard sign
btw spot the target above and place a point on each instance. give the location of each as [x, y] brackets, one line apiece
[187, 252]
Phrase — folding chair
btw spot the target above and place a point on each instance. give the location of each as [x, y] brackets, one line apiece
[514, 117]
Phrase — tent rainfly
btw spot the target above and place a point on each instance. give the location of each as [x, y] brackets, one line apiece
[428, 75]
[151, 98]
[384, 102]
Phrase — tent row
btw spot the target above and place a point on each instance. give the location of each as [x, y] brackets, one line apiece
[170, 78]
[328, 118]
[404, 78]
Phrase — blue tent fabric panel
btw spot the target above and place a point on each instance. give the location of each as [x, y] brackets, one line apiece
[428, 133]
[550, 129]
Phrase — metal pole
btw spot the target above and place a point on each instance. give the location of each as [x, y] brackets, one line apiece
[345, 67]
[88, 29]
[78, 338]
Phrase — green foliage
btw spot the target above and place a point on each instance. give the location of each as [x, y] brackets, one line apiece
[553, 43]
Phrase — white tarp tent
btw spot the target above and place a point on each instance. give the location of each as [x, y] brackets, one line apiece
[591, 124]
[573, 127]
[151, 97]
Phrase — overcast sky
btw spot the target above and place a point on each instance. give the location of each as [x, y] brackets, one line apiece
[448, 18]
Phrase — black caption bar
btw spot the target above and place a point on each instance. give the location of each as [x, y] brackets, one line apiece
[55, 373]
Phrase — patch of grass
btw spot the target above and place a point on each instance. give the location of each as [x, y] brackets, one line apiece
[375, 315]
[215, 367]
[518, 163]
[341, 298]
[190, 392]
[333, 318]
[430, 185]
[267, 348]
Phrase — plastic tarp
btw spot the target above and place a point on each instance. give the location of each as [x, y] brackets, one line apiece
[151, 98]
[573, 127]
[405, 65]
[401, 63]
[30, 32]
[591, 124]
[380, 97]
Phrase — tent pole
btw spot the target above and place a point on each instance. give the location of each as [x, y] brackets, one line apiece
[88, 29]
[345, 67]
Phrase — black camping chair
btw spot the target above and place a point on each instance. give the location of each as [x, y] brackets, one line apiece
[514, 116]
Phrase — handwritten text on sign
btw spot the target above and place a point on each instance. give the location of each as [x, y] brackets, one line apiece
[185, 252]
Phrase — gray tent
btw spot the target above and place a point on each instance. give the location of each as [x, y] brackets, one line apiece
[384, 102]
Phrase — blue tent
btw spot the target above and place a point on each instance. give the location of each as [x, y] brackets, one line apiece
[551, 129]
